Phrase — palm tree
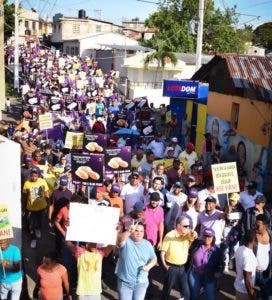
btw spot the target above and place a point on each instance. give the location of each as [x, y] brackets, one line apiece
[161, 56]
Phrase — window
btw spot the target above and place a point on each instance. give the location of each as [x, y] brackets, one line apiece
[98, 28]
[26, 25]
[72, 51]
[67, 50]
[33, 25]
[234, 115]
[76, 51]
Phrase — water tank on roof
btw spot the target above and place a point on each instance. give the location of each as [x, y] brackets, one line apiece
[82, 14]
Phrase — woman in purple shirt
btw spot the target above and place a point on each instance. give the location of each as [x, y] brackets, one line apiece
[206, 264]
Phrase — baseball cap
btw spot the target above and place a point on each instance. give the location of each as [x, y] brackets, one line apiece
[191, 178]
[210, 199]
[234, 197]
[174, 140]
[155, 196]
[115, 188]
[190, 146]
[208, 232]
[35, 170]
[63, 180]
[138, 206]
[169, 149]
[135, 174]
[178, 184]
[193, 193]
[28, 159]
[260, 199]
[67, 168]
[252, 185]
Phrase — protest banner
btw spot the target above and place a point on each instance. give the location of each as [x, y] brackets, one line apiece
[118, 160]
[45, 121]
[94, 142]
[55, 103]
[147, 128]
[225, 178]
[87, 169]
[5, 224]
[74, 140]
[97, 224]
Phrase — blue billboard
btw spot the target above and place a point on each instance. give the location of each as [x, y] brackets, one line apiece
[181, 89]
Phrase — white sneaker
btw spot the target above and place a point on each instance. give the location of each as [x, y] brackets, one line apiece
[226, 270]
[33, 244]
[38, 233]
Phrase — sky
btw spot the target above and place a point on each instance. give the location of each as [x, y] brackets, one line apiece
[118, 10]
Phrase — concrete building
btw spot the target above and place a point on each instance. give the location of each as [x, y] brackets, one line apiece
[31, 26]
[135, 28]
[147, 81]
[68, 28]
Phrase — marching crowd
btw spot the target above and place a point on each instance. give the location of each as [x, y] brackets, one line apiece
[170, 215]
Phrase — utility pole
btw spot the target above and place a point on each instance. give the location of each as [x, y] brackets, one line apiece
[200, 34]
[16, 46]
[2, 61]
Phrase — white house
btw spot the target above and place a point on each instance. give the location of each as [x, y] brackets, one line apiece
[147, 81]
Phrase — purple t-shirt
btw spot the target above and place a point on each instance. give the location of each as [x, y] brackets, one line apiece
[200, 258]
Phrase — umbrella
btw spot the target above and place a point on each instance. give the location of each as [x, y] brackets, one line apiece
[126, 131]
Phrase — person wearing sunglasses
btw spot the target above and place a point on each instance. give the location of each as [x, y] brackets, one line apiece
[174, 255]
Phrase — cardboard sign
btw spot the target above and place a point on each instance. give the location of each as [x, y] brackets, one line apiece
[94, 143]
[87, 169]
[5, 225]
[225, 178]
[118, 160]
[45, 121]
[97, 224]
[74, 140]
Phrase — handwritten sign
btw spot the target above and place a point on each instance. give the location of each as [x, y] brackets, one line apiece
[97, 224]
[45, 121]
[74, 140]
[225, 178]
[5, 225]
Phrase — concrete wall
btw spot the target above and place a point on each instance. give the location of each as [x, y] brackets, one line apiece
[252, 115]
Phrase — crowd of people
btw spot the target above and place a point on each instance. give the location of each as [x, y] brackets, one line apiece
[171, 219]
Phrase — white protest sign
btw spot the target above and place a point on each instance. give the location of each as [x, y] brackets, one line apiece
[92, 223]
[225, 178]
[45, 121]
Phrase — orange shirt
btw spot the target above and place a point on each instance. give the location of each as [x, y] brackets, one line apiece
[116, 202]
[63, 216]
[51, 282]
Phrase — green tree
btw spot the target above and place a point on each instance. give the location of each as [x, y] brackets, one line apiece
[262, 36]
[161, 56]
[177, 23]
[9, 19]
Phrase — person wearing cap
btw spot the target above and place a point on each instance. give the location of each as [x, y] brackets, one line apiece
[157, 146]
[249, 216]
[174, 144]
[100, 197]
[205, 266]
[189, 154]
[132, 192]
[10, 271]
[174, 201]
[174, 255]
[35, 199]
[232, 233]
[114, 198]
[246, 264]
[262, 251]
[211, 218]
[247, 197]
[135, 216]
[62, 192]
[190, 208]
[206, 192]
[154, 221]
[136, 258]
[176, 173]
[169, 152]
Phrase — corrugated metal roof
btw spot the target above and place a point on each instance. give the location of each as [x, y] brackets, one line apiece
[251, 72]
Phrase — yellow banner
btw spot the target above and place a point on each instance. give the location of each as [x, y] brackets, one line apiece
[5, 224]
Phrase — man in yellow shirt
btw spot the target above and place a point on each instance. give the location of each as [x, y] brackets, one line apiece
[35, 199]
[174, 255]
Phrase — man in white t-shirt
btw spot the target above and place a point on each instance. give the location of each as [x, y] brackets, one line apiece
[189, 154]
[132, 192]
[246, 264]
[247, 198]
[157, 146]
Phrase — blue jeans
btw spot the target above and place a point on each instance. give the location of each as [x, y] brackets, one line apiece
[128, 291]
[196, 282]
[14, 289]
[264, 285]
[173, 274]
